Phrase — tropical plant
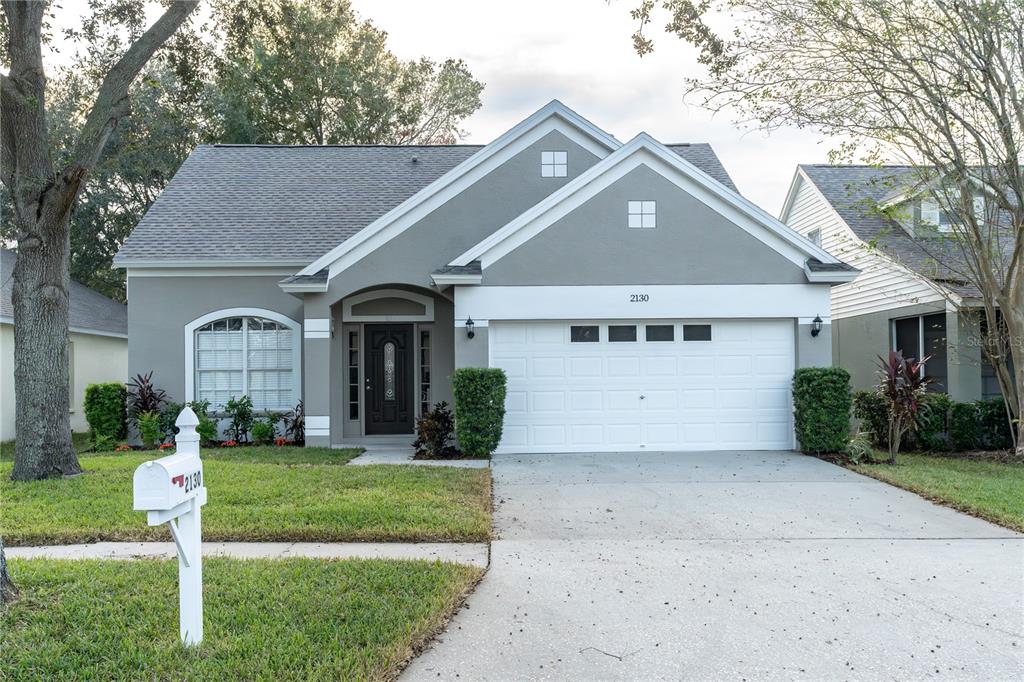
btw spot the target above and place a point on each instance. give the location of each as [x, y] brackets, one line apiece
[859, 447]
[263, 428]
[149, 429]
[168, 415]
[434, 433]
[902, 384]
[207, 427]
[239, 410]
[295, 424]
[143, 396]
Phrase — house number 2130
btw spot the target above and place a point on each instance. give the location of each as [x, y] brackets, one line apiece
[639, 298]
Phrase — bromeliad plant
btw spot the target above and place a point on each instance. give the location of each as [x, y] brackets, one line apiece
[902, 383]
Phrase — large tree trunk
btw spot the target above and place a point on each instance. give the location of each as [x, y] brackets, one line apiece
[42, 200]
[7, 589]
[41, 377]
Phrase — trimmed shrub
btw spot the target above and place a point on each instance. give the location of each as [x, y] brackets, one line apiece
[106, 412]
[263, 429]
[963, 426]
[479, 408]
[994, 425]
[870, 408]
[932, 423]
[822, 402]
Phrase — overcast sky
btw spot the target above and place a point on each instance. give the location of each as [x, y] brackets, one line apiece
[529, 52]
[579, 51]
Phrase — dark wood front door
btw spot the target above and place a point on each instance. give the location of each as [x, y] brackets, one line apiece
[389, 378]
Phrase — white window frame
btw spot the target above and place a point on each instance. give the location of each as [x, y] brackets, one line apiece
[641, 214]
[920, 337]
[931, 213]
[554, 164]
[190, 346]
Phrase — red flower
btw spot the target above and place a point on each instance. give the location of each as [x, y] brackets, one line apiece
[165, 446]
[229, 443]
[280, 442]
[123, 447]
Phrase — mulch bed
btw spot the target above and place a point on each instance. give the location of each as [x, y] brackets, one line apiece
[449, 453]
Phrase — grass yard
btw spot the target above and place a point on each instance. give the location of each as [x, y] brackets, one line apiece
[294, 619]
[258, 494]
[991, 490]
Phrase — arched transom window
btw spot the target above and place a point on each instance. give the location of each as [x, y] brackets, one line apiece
[252, 356]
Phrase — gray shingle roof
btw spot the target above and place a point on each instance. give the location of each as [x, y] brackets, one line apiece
[855, 191]
[295, 203]
[90, 309]
[472, 268]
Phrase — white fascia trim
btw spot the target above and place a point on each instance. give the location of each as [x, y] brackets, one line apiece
[835, 277]
[6, 319]
[426, 301]
[664, 301]
[553, 116]
[211, 272]
[212, 264]
[190, 340]
[643, 149]
[794, 185]
[298, 288]
[446, 280]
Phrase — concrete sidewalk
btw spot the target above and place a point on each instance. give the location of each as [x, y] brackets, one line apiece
[471, 553]
[399, 450]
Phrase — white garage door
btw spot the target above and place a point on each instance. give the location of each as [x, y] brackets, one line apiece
[657, 385]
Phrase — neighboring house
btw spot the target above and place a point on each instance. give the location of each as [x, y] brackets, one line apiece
[907, 296]
[97, 346]
[633, 297]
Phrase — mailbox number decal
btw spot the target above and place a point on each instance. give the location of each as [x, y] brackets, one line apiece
[639, 298]
[189, 482]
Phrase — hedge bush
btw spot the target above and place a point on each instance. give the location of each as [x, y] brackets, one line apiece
[932, 423]
[105, 411]
[479, 409]
[994, 425]
[822, 402]
[964, 431]
[870, 408]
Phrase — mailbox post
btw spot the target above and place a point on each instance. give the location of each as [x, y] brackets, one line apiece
[170, 490]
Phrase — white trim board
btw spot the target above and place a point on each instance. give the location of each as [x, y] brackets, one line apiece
[426, 301]
[645, 150]
[190, 342]
[553, 116]
[664, 301]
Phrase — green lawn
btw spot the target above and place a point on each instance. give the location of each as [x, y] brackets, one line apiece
[298, 497]
[294, 619]
[991, 490]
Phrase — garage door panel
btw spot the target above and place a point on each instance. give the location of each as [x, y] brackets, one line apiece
[730, 392]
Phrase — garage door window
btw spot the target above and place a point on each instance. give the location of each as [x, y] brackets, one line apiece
[660, 332]
[584, 333]
[696, 332]
[622, 333]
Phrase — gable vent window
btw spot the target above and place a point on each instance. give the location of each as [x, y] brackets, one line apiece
[815, 237]
[554, 164]
[642, 214]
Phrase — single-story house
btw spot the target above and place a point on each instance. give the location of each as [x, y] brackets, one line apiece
[633, 297]
[878, 219]
[97, 345]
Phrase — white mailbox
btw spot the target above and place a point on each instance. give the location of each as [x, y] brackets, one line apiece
[170, 490]
[163, 484]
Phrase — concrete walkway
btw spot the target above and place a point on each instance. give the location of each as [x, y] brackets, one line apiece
[474, 554]
[716, 566]
[398, 450]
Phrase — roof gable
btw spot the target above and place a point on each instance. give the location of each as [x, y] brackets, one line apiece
[644, 150]
[554, 116]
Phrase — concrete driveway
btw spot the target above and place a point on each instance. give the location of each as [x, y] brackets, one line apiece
[731, 566]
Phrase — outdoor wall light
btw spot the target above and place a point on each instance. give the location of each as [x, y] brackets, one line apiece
[469, 328]
[816, 325]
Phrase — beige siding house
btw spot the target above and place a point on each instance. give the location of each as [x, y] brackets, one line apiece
[98, 347]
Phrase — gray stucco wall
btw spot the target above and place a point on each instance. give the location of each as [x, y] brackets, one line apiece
[160, 307]
[858, 341]
[692, 244]
[453, 228]
[471, 352]
[813, 351]
[388, 306]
